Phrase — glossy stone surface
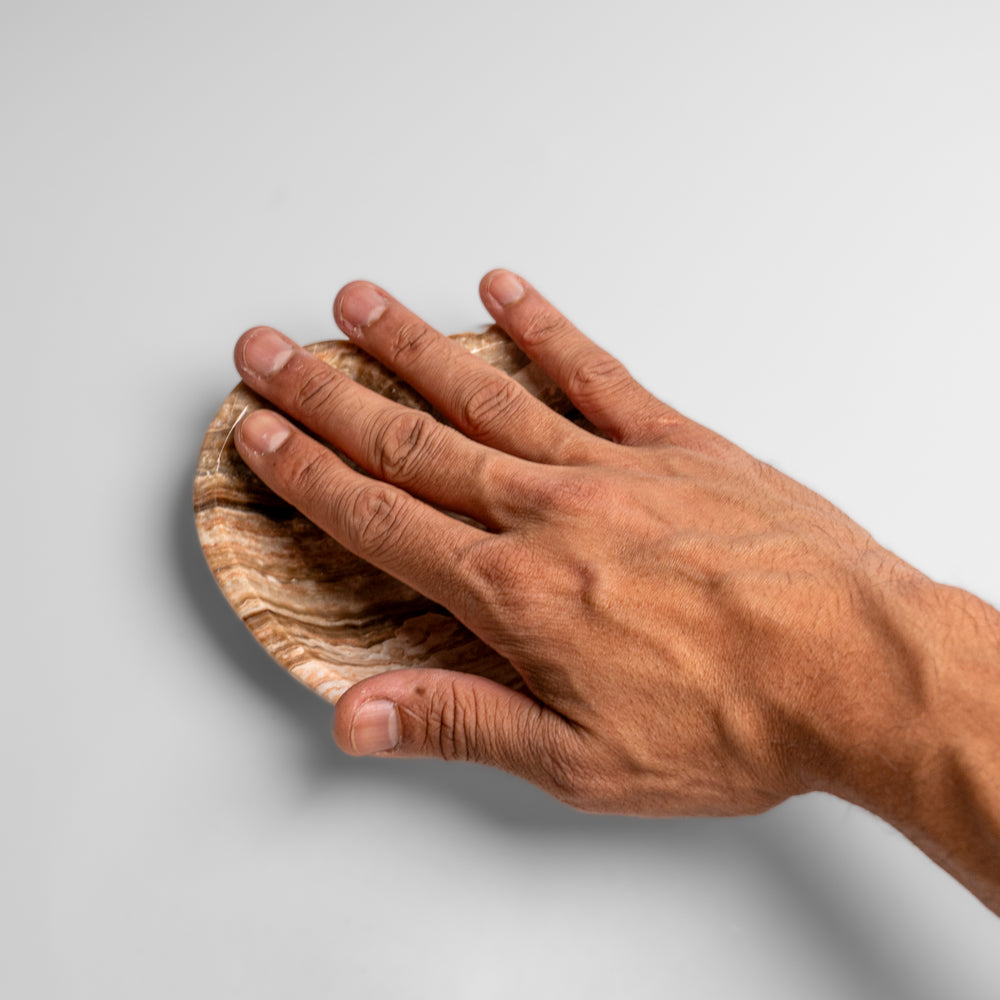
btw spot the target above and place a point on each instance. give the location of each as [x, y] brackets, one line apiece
[329, 618]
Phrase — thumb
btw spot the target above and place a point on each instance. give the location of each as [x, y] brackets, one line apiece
[458, 716]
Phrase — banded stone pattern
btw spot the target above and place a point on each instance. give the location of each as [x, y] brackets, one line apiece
[326, 616]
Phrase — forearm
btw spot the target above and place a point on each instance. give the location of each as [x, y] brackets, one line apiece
[932, 766]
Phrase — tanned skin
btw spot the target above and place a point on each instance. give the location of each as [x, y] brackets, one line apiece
[697, 633]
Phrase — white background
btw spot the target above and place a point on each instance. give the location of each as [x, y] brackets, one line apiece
[784, 216]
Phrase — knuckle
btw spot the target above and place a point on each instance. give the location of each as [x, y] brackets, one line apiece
[402, 444]
[409, 342]
[542, 328]
[452, 725]
[574, 494]
[598, 374]
[489, 403]
[659, 424]
[314, 393]
[307, 475]
[374, 518]
[570, 773]
[495, 573]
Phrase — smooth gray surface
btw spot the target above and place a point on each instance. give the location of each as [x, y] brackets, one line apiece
[784, 216]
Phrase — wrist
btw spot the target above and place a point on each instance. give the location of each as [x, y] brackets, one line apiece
[925, 755]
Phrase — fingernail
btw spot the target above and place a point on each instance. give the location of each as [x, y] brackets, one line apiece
[266, 351]
[361, 306]
[506, 288]
[264, 431]
[376, 727]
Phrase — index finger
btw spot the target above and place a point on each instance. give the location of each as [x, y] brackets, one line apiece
[375, 520]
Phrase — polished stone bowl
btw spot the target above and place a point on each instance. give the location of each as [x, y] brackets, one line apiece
[326, 616]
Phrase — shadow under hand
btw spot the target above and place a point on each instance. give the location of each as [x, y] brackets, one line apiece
[502, 799]
[235, 646]
[843, 908]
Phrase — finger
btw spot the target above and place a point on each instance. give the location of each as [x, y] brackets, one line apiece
[377, 521]
[458, 716]
[598, 384]
[396, 443]
[486, 404]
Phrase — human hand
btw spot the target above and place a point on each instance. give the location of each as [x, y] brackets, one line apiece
[697, 633]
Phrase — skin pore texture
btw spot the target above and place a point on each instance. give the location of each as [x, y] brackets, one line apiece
[697, 633]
